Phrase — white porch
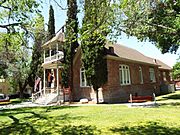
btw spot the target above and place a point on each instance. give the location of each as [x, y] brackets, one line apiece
[53, 58]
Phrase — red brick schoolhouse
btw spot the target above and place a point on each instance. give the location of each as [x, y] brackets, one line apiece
[129, 72]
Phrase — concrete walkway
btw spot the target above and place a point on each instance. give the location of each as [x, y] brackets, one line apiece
[30, 104]
[20, 105]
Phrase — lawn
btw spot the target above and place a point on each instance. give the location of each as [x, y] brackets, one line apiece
[173, 98]
[90, 120]
[14, 101]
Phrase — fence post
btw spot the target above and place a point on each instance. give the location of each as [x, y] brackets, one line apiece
[130, 96]
[32, 97]
[154, 96]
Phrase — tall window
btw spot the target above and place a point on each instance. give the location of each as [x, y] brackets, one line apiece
[124, 75]
[83, 81]
[152, 75]
[164, 76]
[140, 75]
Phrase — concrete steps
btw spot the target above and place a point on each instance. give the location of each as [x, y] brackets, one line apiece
[49, 99]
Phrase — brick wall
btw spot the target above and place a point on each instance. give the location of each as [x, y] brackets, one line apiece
[161, 78]
[113, 91]
[79, 92]
[118, 93]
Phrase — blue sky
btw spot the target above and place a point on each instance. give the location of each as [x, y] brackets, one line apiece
[145, 48]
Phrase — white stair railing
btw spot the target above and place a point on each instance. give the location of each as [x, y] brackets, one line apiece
[37, 95]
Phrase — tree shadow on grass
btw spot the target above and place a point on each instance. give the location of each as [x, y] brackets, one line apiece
[17, 127]
[79, 130]
[51, 108]
[151, 128]
[37, 123]
[174, 104]
[176, 97]
[23, 126]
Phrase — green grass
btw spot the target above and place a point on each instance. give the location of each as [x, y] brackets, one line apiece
[14, 101]
[17, 100]
[94, 120]
[168, 99]
[4, 103]
[89, 120]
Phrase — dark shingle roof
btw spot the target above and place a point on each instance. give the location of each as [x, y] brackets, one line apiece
[133, 55]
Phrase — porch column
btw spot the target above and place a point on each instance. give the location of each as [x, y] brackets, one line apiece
[44, 82]
[57, 51]
[44, 55]
[57, 80]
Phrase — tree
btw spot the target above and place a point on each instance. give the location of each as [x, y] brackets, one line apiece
[16, 23]
[71, 43]
[93, 34]
[37, 57]
[155, 20]
[176, 71]
[16, 16]
[3, 68]
[51, 23]
[18, 67]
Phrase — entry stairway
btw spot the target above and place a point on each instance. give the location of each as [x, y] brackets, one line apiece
[47, 97]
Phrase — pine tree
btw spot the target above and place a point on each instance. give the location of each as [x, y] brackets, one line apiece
[51, 23]
[37, 57]
[71, 43]
[94, 34]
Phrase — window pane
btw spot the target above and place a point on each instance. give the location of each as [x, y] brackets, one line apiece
[128, 77]
[124, 76]
[152, 75]
[121, 76]
[140, 75]
[82, 77]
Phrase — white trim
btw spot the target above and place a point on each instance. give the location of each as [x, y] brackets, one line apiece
[82, 70]
[141, 75]
[152, 74]
[44, 83]
[57, 80]
[124, 75]
[164, 76]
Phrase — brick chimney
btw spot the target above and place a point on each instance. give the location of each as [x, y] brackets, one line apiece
[111, 49]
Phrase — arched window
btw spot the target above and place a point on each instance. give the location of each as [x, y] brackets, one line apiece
[83, 81]
[152, 75]
[140, 75]
[124, 75]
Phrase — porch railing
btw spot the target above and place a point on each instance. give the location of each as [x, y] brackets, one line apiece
[37, 95]
[57, 56]
[42, 93]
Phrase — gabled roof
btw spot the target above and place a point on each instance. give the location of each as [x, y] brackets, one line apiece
[58, 38]
[130, 54]
[163, 65]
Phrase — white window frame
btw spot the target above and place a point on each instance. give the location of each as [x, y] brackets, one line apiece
[141, 75]
[124, 75]
[164, 76]
[152, 76]
[82, 72]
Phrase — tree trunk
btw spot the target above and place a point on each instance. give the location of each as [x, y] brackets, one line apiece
[71, 82]
[22, 88]
[97, 96]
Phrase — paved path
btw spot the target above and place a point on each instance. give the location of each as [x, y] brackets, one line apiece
[20, 105]
[30, 104]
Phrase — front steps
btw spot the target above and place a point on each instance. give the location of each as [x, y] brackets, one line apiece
[49, 99]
